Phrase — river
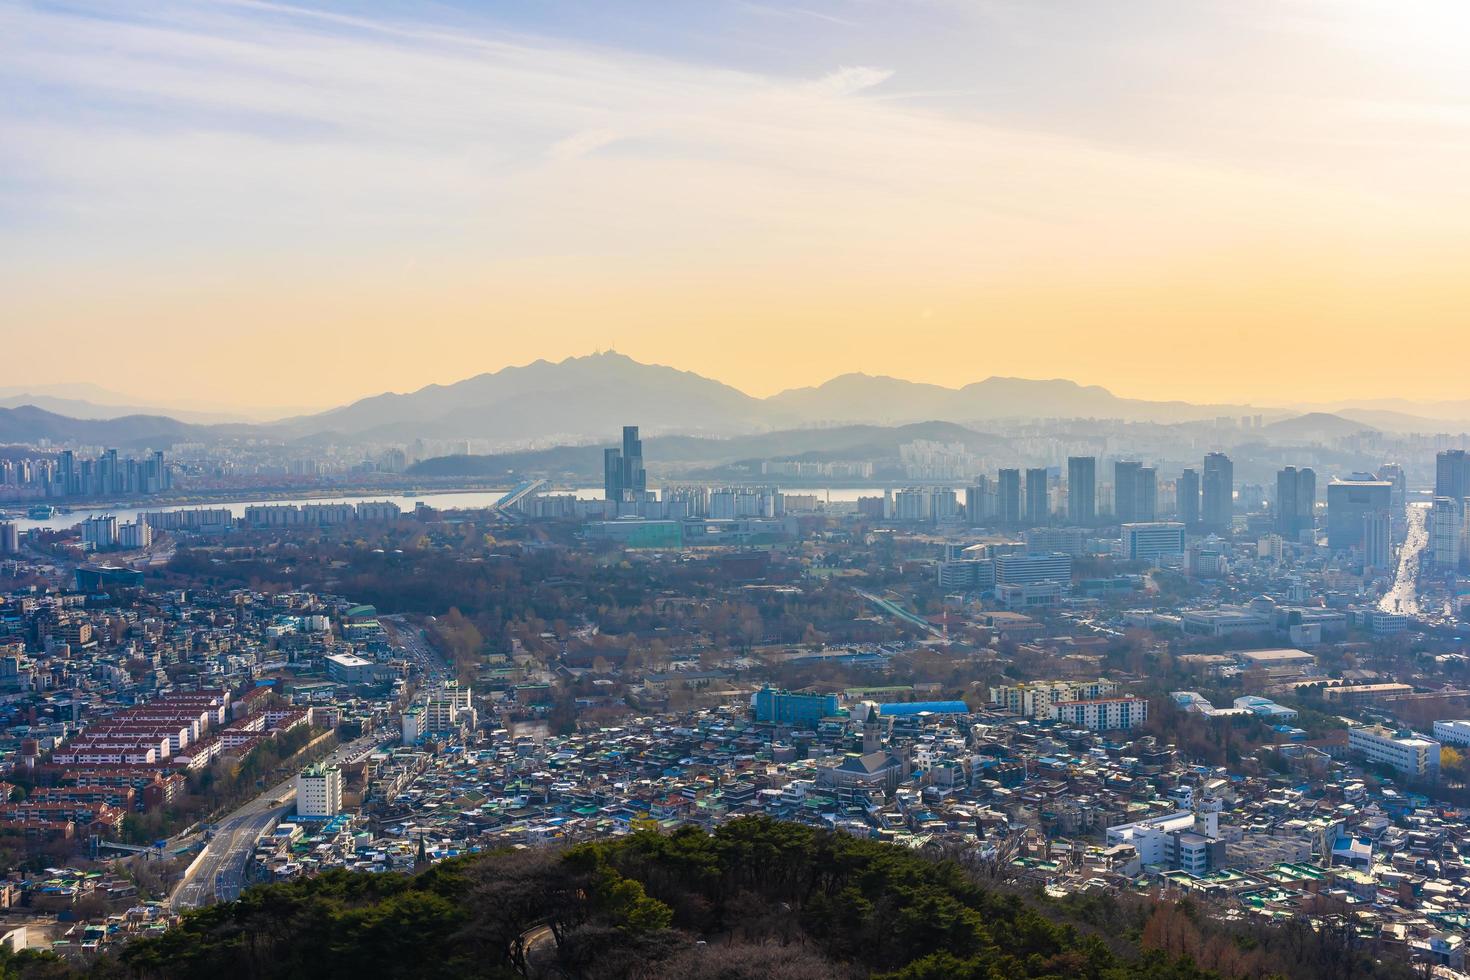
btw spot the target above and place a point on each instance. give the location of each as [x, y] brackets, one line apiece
[444, 500]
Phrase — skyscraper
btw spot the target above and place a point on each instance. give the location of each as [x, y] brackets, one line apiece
[1377, 539]
[1135, 492]
[1125, 490]
[1218, 492]
[1296, 497]
[1186, 489]
[1008, 497]
[624, 479]
[1038, 509]
[1349, 505]
[1082, 489]
[1452, 474]
[1148, 494]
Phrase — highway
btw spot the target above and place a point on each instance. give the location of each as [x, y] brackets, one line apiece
[222, 874]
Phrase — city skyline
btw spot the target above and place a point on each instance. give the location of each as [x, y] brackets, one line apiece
[1024, 190]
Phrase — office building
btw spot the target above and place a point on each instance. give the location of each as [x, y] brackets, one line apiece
[1038, 505]
[9, 538]
[1082, 490]
[1008, 497]
[319, 792]
[1404, 751]
[1186, 497]
[1068, 540]
[1296, 498]
[1452, 732]
[1154, 540]
[1217, 492]
[804, 709]
[1029, 567]
[1348, 504]
[624, 478]
[967, 574]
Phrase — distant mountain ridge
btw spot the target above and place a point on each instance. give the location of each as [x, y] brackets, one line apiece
[582, 399]
[576, 397]
[27, 423]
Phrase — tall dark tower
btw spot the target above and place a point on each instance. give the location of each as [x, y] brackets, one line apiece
[612, 476]
[1082, 489]
[1186, 490]
[1218, 489]
[1148, 494]
[1038, 509]
[1008, 497]
[635, 478]
[1296, 498]
[1125, 490]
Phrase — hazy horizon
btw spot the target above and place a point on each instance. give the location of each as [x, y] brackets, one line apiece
[278, 205]
[112, 396]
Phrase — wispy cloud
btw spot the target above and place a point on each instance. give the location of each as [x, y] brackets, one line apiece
[851, 80]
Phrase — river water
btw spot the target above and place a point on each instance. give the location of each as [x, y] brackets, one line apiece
[447, 500]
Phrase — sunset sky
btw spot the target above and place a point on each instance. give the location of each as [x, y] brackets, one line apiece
[272, 204]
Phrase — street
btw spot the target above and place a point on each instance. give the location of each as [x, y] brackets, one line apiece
[221, 875]
[1404, 596]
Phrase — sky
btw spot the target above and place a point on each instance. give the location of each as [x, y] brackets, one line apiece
[238, 203]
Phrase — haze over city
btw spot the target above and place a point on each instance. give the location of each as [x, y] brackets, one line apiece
[1180, 199]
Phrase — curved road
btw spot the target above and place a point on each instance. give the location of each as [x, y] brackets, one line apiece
[221, 875]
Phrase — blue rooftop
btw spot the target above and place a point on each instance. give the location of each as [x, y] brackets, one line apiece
[901, 708]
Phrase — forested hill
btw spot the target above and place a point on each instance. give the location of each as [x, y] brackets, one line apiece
[756, 899]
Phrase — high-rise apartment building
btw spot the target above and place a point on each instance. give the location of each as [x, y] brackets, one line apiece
[1135, 492]
[1446, 533]
[1008, 497]
[1452, 474]
[1038, 507]
[1186, 493]
[1125, 490]
[1218, 492]
[319, 791]
[1082, 489]
[979, 500]
[1296, 497]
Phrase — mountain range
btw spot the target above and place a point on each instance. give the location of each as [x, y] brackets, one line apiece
[579, 399]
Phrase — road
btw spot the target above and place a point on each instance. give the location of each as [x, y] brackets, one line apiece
[417, 649]
[1403, 597]
[222, 874]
